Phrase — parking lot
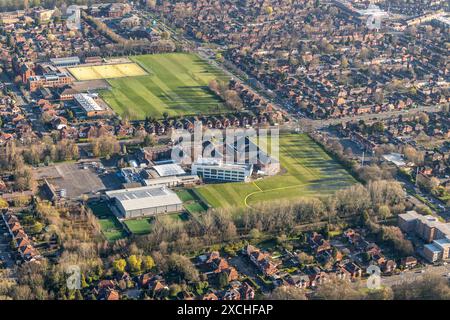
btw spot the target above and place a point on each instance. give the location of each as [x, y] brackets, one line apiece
[79, 178]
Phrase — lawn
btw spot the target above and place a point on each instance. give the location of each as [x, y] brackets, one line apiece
[192, 202]
[110, 226]
[144, 226]
[139, 227]
[308, 171]
[177, 83]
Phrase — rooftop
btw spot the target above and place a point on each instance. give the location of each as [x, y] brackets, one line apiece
[167, 170]
[144, 197]
[214, 162]
[65, 60]
[433, 247]
[395, 158]
[87, 102]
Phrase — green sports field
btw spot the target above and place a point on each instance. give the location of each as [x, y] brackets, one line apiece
[110, 226]
[177, 83]
[308, 171]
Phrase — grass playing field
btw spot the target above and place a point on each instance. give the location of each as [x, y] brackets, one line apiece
[309, 172]
[177, 83]
[110, 226]
[139, 227]
[110, 71]
[144, 226]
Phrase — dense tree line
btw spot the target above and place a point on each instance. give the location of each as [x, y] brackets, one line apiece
[282, 217]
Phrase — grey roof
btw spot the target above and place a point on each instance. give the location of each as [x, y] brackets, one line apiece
[171, 169]
[145, 197]
[171, 179]
[65, 60]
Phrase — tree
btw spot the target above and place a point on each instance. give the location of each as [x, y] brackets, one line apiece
[268, 10]
[165, 35]
[384, 212]
[148, 263]
[219, 57]
[135, 263]
[3, 204]
[223, 280]
[430, 287]
[304, 258]
[338, 290]
[287, 293]
[255, 234]
[105, 146]
[184, 267]
[119, 265]
[149, 141]
[37, 227]
[384, 293]
[413, 155]
[175, 289]
[78, 295]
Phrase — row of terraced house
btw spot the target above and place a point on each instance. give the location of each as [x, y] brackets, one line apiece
[20, 239]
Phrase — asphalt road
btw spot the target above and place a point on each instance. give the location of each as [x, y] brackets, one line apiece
[413, 275]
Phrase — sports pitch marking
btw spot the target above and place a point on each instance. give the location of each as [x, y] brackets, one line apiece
[270, 190]
[307, 172]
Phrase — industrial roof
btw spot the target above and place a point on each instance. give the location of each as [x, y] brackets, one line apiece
[214, 162]
[65, 60]
[145, 197]
[87, 102]
[167, 170]
[171, 179]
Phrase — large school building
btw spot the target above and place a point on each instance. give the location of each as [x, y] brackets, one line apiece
[215, 169]
[144, 201]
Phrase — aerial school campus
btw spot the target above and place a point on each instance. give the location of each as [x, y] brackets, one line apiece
[176, 84]
[113, 158]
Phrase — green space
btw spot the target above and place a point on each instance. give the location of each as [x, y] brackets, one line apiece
[177, 84]
[110, 226]
[307, 171]
[140, 226]
[192, 202]
[144, 226]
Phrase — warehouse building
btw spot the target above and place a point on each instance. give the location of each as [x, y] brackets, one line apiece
[169, 170]
[90, 105]
[144, 201]
[65, 62]
[174, 181]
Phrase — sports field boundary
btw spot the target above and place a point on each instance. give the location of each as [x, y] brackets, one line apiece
[270, 190]
[345, 166]
[143, 66]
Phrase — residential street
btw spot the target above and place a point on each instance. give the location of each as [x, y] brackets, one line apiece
[413, 275]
